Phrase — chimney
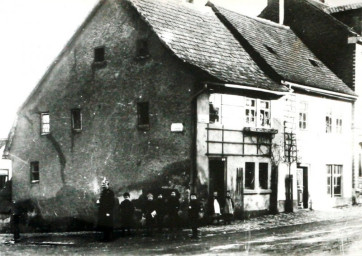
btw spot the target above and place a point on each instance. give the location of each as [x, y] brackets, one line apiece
[277, 5]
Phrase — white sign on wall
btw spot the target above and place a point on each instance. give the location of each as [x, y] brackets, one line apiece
[177, 127]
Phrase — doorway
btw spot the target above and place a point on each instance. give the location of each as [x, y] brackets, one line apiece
[302, 186]
[217, 182]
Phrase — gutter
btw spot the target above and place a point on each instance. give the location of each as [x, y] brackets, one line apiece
[338, 95]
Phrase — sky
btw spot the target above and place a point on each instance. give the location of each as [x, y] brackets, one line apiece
[33, 32]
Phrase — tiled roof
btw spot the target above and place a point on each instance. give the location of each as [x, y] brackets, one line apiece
[195, 35]
[284, 52]
[343, 8]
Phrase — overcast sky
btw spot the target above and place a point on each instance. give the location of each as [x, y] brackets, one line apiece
[33, 32]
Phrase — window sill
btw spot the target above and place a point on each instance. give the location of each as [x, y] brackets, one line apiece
[260, 130]
[143, 127]
[257, 192]
[34, 182]
[99, 64]
[77, 130]
[44, 134]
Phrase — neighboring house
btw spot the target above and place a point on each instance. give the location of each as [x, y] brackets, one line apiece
[334, 36]
[5, 165]
[152, 93]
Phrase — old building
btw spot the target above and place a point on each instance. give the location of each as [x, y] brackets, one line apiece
[333, 34]
[152, 93]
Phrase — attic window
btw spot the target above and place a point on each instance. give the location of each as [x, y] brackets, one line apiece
[142, 49]
[271, 50]
[99, 54]
[76, 120]
[314, 63]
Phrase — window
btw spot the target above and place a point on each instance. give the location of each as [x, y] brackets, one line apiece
[264, 113]
[143, 115]
[34, 172]
[4, 176]
[45, 123]
[76, 119]
[271, 50]
[99, 53]
[263, 175]
[250, 112]
[303, 116]
[334, 180]
[329, 123]
[314, 63]
[249, 175]
[338, 125]
[142, 49]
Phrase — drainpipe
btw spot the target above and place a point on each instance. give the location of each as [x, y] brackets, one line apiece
[281, 12]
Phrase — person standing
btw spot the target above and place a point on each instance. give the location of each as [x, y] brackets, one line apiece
[173, 206]
[228, 209]
[15, 221]
[215, 208]
[105, 211]
[160, 209]
[149, 212]
[194, 211]
[127, 212]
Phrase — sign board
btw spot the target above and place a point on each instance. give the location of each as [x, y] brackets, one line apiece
[177, 127]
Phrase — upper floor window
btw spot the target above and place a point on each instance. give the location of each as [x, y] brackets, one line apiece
[34, 172]
[303, 116]
[250, 112]
[44, 123]
[334, 180]
[143, 119]
[76, 119]
[99, 54]
[329, 123]
[142, 49]
[339, 125]
[236, 111]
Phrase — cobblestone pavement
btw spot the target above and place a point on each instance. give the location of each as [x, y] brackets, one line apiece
[304, 232]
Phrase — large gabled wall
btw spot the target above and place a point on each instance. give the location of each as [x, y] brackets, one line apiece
[72, 164]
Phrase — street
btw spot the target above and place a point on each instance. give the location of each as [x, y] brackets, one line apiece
[334, 236]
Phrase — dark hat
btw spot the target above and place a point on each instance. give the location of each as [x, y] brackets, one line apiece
[126, 194]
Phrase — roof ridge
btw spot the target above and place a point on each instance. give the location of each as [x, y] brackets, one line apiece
[343, 7]
[261, 20]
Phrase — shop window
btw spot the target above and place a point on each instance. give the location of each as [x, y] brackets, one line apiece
[143, 115]
[250, 175]
[34, 172]
[263, 175]
[334, 180]
[99, 54]
[76, 120]
[44, 123]
[303, 116]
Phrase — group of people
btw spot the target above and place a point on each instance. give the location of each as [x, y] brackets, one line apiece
[157, 212]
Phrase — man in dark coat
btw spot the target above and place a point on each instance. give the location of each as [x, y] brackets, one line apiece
[160, 210]
[149, 212]
[194, 210]
[105, 211]
[173, 206]
[15, 221]
[127, 212]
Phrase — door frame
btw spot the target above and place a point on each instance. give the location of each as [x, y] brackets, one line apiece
[223, 159]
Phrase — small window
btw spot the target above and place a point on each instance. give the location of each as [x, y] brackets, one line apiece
[99, 53]
[334, 180]
[250, 175]
[314, 63]
[328, 123]
[338, 125]
[34, 172]
[142, 49]
[76, 119]
[4, 177]
[44, 123]
[250, 112]
[143, 115]
[303, 116]
[264, 113]
[271, 50]
[263, 175]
